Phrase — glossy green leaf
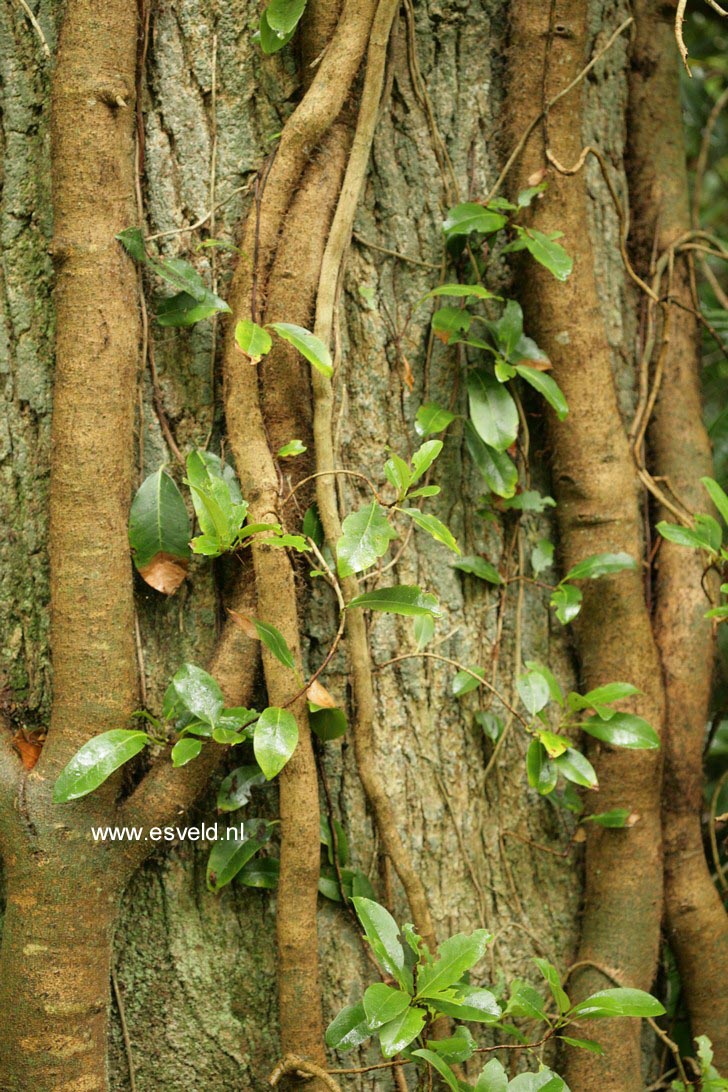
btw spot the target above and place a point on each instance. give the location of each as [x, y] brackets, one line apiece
[451, 322]
[534, 691]
[717, 495]
[582, 1044]
[493, 1078]
[261, 872]
[543, 1081]
[620, 1001]
[455, 956]
[398, 474]
[96, 760]
[491, 725]
[478, 566]
[159, 532]
[492, 410]
[404, 599]
[555, 745]
[270, 41]
[461, 291]
[307, 344]
[292, 449]
[540, 770]
[467, 681]
[623, 730]
[185, 750]
[566, 598]
[184, 310]
[328, 724]
[383, 1003]
[432, 418]
[498, 469]
[530, 500]
[574, 766]
[275, 642]
[600, 565]
[198, 693]
[542, 556]
[365, 538]
[545, 250]
[424, 629]
[616, 818]
[601, 697]
[440, 1065]
[548, 676]
[194, 300]
[400, 1032]
[284, 15]
[554, 983]
[228, 855]
[467, 217]
[706, 535]
[382, 933]
[234, 792]
[456, 1048]
[547, 387]
[349, 1029]
[434, 527]
[470, 1003]
[275, 739]
[424, 457]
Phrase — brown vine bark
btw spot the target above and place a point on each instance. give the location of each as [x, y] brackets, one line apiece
[63, 887]
[598, 510]
[696, 922]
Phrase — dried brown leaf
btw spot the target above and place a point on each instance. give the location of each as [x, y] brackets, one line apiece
[319, 695]
[245, 623]
[165, 572]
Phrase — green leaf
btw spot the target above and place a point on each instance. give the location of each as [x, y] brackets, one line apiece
[184, 310]
[478, 566]
[600, 565]
[270, 40]
[707, 534]
[284, 15]
[450, 322]
[312, 526]
[348, 1030]
[275, 739]
[491, 725]
[198, 693]
[530, 500]
[234, 792]
[365, 538]
[398, 474]
[455, 956]
[540, 770]
[547, 387]
[554, 983]
[432, 418]
[440, 1065]
[383, 935]
[307, 344]
[492, 410]
[291, 449]
[96, 760]
[498, 469]
[185, 750]
[342, 842]
[383, 1003]
[252, 340]
[555, 690]
[534, 691]
[400, 1032]
[555, 745]
[423, 628]
[525, 1002]
[228, 855]
[467, 217]
[424, 457]
[493, 1078]
[623, 730]
[566, 598]
[717, 495]
[275, 642]
[470, 1003]
[434, 527]
[159, 533]
[461, 291]
[615, 819]
[545, 250]
[328, 724]
[601, 698]
[525, 197]
[133, 242]
[260, 872]
[543, 1081]
[467, 681]
[542, 556]
[582, 1044]
[457, 1048]
[404, 599]
[620, 1001]
[574, 766]
[216, 496]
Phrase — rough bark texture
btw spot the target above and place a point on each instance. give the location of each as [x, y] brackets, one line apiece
[598, 511]
[197, 972]
[696, 922]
